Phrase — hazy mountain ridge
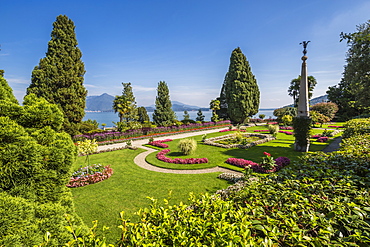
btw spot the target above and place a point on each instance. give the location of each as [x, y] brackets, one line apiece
[314, 101]
[104, 103]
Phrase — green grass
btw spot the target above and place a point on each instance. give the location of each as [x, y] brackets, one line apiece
[128, 188]
[282, 146]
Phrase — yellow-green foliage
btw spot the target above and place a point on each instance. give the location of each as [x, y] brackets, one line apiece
[187, 146]
[274, 129]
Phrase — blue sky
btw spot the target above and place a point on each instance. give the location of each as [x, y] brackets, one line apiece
[187, 44]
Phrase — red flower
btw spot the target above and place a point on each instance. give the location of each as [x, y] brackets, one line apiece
[265, 153]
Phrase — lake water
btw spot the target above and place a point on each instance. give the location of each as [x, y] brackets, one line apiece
[109, 117]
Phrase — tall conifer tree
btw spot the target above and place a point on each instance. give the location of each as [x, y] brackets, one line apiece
[241, 89]
[59, 76]
[127, 101]
[6, 92]
[163, 114]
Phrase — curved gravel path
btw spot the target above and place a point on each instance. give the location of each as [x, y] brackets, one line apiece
[140, 159]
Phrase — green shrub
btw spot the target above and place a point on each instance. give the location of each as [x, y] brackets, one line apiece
[356, 126]
[273, 129]
[187, 146]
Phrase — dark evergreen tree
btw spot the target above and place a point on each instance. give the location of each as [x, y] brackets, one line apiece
[222, 112]
[125, 104]
[352, 93]
[59, 76]
[163, 114]
[200, 116]
[241, 90]
[142, 115]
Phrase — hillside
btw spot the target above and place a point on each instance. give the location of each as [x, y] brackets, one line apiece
[104, 103]
[323, 98]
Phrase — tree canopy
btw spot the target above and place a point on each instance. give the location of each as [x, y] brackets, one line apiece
[241, 90]
[293, 89]
[352, 93]
[163, 114]
[125, 104]
[59, 76]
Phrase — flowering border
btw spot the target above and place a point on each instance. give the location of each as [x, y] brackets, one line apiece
[160, 143]
[75, 182]
[280, 163]
[162, 157]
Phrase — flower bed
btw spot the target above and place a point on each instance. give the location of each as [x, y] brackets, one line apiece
[323, 139]
[89, 175]
[286, 132]
[280, 163]
[261, 131]
[162, 156]
[286, 128]
[112, 137]
[160, 143]
[333, 126]
[264, 138]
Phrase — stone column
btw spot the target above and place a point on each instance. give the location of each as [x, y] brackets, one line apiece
[303, 110]
[302, 123]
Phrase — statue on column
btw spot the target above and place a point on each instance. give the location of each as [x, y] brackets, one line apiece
[304, 43]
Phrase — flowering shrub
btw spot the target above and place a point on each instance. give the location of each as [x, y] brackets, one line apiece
[315, 136]
[160, 143]
[268, 162]
[89, 175]
[323, 139]
[280, 162]
[162, 156]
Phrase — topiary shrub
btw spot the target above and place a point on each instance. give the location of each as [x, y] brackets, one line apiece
[187, 146]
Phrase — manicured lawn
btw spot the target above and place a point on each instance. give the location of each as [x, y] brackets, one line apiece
[282, 146]
[128, 188]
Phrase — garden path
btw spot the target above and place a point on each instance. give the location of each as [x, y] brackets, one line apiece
[140, 159]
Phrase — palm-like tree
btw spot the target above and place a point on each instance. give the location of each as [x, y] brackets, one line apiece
[293, 89]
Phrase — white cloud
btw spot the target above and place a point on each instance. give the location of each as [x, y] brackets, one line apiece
[90, 85]
[18, 81]
[138, 88]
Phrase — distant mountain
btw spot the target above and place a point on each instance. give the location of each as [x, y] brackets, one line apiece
[323, 98]
[104, 102]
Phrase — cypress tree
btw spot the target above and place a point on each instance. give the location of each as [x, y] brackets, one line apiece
[163, 114]
[142, 115]
[241, 89]
[59, 76]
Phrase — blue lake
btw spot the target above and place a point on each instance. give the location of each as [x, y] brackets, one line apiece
[109, 117]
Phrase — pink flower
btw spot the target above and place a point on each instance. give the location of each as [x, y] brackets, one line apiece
[265, 153]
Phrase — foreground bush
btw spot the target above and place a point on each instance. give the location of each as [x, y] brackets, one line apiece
[356, 127]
